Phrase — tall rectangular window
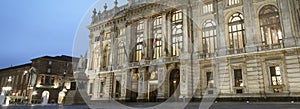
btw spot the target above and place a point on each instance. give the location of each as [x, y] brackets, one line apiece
[275, 75]
[140, 44]
[91, 88]
[52, 80]
[50, 62]
[47, 80]
[177, 32]
[208, 8]
[106, 56]
[238, 78]
[101, 87]
[157, 37]
[42, 80]
[236, 29]
[271, 32]
[209, 79]
[209, 37]
[121, 53]
[49, 70]
[233, 2]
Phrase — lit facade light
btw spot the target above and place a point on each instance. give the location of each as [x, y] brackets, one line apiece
[9, 79]
[6, 88]
[34, 93]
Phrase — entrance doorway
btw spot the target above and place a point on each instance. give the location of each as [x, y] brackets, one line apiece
[152, 95]
[174, 83]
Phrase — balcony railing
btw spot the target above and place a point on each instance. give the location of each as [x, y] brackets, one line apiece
[269, 47]
[236, 51]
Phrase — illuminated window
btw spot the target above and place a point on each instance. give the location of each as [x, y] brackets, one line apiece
[50, 62]
[209, 36]
[275, 75]
[207, 8]
[121, 54]
[271, 33]
[236, 32]
[276, 79]
[177, 32]
[157, 37]
[233, 2]
[140, 52]
[49, 70]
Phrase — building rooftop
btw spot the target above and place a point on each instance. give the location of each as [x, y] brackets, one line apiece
[60, 58]
[14, 67]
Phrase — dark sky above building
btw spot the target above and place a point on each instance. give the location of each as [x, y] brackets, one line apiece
[34, 28]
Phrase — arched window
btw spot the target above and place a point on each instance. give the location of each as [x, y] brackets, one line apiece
[236, 33]
[177, 32]
[271, 33]
[157, 35]
[106, 56]
[140, 44]
[209, 36]
[121, 53]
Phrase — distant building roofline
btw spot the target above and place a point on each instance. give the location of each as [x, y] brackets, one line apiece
[60, 58]
[18, 66]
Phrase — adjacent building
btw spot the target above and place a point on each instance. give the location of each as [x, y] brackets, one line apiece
[46, 79]
[154, 50]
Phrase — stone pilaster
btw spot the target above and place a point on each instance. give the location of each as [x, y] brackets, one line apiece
[221, 33]
[186, 86]
[142, 84]
[186, 37]
[125, 84]
[248, 21]
[162, 82]
[164, 35]
[284, 6]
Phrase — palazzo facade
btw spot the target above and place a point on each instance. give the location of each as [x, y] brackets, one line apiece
[154, 50]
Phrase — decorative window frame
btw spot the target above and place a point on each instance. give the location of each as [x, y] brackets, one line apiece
[268, 80]
[241, 66]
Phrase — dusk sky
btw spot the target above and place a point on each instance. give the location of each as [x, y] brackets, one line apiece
[34, 28]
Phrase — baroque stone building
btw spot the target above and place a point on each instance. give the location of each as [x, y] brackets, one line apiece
[49, 78]
[152, 50]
